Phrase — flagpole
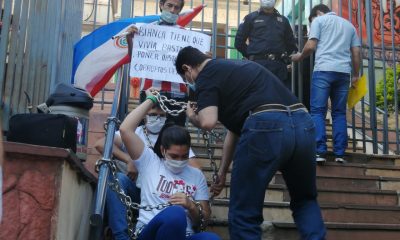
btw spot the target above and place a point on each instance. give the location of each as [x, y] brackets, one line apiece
[96, 219]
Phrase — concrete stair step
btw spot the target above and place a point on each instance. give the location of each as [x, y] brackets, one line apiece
[333, 169]
[342, 231]
[341, 213]
[279, 193]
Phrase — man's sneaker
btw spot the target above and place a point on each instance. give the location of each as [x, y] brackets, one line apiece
[320, 158]
[340, 160]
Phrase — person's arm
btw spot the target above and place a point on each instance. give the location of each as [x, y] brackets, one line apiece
[356, 62]
[116, 151]
[308, 49]
[242, 35]
[227, 156]
[134, 145]
[193, 209]
[205, 119]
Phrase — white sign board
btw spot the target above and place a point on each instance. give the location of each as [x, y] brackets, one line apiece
[155, 49]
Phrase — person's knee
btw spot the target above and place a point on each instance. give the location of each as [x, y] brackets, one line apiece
[176, 214]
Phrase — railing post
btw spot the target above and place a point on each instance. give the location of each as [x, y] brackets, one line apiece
[371, 76]
[96, 219]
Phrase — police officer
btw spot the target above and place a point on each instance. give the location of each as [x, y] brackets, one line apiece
[271, 39]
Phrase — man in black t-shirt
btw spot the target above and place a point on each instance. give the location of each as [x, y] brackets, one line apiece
[268, 130]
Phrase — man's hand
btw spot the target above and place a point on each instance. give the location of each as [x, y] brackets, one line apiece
[296, 57]
[217, 187]
[190, 109]
[354, 81]
[180, 199]
[132, 171]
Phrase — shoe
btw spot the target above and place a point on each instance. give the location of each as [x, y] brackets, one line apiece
[340, 160]
[320, 158]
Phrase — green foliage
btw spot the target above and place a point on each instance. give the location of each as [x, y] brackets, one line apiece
[390, 92]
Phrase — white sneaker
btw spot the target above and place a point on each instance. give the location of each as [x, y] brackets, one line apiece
[339, 160]
[320, 158]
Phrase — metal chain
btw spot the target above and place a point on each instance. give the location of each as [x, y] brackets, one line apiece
[127, 201]
[213, 164]
[163, 100]
[112, 119]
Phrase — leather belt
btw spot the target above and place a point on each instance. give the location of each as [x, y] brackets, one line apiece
[268, 56]
[279, 108]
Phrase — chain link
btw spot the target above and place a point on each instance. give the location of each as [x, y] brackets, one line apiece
[127, 201]
[112, 119]
[162, 100]
[213, 164]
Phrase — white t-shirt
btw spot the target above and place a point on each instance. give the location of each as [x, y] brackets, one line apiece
[158, 184]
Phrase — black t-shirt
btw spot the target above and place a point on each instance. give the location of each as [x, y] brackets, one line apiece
[236, 87]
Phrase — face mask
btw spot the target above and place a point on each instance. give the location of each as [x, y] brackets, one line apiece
[176, 166]
[154, 123]
[267, 3]
[169, 17]
[192, 86]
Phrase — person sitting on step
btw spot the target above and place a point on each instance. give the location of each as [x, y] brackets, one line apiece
[167, 181]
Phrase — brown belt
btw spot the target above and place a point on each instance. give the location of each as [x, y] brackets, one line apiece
[278, 107]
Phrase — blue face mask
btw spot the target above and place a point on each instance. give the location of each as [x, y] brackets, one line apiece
[192, 86]
[169, 17]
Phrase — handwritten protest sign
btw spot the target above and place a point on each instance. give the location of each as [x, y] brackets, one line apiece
[155, 49]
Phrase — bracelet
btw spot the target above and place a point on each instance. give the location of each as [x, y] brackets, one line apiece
[153, 99]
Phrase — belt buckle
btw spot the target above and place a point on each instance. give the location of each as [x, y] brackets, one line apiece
[271, 57]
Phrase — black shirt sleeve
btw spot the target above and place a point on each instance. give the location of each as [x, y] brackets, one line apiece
[242, 34]
[207, 94]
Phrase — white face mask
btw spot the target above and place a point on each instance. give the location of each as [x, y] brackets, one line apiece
[169, 17]
[154, 123]
[176, 166]
[267, 3]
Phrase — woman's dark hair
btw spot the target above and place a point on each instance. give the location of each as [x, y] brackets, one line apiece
[162, 2]
[171, 134]
[190, 56]
[320, 7]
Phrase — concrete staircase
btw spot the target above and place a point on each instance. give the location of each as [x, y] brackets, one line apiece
[359, 199]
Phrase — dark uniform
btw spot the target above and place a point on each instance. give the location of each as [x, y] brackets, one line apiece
[271, 41]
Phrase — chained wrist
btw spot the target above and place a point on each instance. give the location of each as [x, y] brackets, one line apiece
[153, 99]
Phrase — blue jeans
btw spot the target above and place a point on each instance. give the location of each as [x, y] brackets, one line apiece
[116, 210]
[171, 224]
[269, 142]
[333, 85]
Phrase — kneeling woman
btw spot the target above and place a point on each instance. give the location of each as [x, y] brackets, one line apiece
[165, 177]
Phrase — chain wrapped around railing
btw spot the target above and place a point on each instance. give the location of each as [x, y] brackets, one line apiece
[162, 100]
[129, 204]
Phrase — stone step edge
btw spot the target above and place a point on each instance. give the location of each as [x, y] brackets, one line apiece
[329, 225]
[277, 186]
[225, 202]
[358, 165]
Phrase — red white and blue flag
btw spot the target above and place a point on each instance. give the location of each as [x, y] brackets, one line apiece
[97, 56]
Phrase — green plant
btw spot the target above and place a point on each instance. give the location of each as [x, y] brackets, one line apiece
[390, 93]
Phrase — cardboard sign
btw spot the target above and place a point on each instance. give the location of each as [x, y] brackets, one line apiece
[155, 49]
